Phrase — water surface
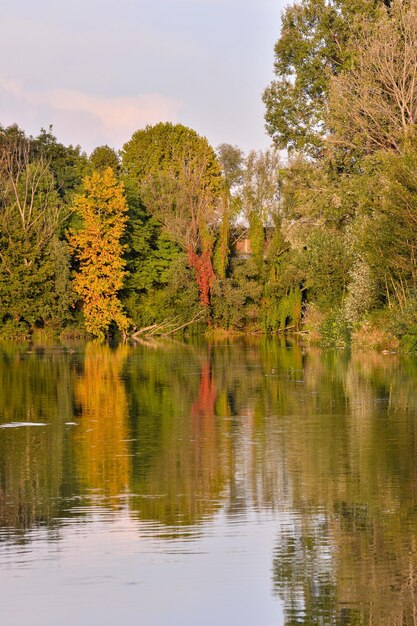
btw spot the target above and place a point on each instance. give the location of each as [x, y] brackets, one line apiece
[248, 482]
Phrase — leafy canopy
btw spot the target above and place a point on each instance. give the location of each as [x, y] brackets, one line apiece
[313, 46]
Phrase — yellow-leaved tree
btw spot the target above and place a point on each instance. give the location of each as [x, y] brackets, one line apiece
[98, 249]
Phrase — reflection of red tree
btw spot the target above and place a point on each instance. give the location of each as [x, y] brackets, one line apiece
[205, 443]
[204, 406]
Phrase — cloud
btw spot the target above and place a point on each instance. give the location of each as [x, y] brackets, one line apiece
[79, 117]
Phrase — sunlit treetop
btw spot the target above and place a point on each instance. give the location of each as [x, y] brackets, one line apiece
[313, 46]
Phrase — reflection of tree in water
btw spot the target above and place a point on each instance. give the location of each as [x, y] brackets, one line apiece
[349, 553]
[327, 440]
[204, 407]
[205, 433]
[35, 386]
[103, 461]
[203, 424]
[259, 373]
[303, 575]
[178, 470]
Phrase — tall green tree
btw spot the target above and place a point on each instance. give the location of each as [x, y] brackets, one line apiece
[34, 263]
[314, 45]
[67, 163]
[178, 179]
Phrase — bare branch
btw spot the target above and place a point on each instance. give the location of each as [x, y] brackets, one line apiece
[375, 103]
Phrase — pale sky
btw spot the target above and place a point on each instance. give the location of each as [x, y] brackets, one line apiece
[98, 70]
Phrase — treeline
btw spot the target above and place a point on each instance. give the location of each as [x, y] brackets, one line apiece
[139, 241]
[152, 237]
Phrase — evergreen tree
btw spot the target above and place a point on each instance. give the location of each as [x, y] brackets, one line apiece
[67, 163]
[34, 264]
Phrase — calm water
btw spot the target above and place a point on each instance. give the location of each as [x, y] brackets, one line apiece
[248, 483]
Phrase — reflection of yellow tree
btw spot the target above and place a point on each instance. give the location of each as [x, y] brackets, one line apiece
[102, 435]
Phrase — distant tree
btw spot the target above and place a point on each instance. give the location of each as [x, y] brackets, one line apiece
[231, 160]
[261, 185]
[99, 252]
[103, 157]
[260, 197]
[67, 163]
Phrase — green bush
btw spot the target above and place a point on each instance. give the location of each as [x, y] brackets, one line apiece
[334, 330]
[283, 313]
[13, 329]
[408, 342]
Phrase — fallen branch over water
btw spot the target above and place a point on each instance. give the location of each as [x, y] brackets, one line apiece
[167, 327]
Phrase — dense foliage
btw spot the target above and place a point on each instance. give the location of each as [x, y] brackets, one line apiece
[315, 234]
[343, 104]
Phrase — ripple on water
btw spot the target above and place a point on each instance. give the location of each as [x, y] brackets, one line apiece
[22, 424]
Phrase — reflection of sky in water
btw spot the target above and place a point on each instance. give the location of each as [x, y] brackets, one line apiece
[110, 569]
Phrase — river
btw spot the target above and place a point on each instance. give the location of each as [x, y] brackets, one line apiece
[249, 481]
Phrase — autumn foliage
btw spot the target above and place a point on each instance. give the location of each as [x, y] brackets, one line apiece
[98, 249]
[204, 274]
